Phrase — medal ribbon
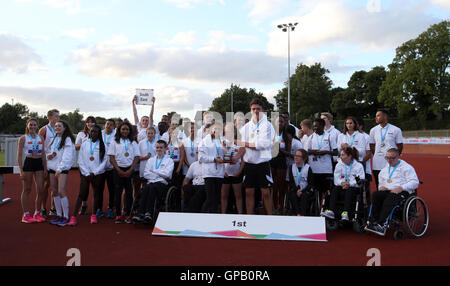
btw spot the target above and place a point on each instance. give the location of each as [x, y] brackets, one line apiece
[126, 144]
[95, 146]
[321, 141]
[383, 137]
[51, 129]
[56, 143]
[347, 171]
[34, 143]
[299, 176]
[157, 165]
[353, 139]
[395, 167]
[106, 140]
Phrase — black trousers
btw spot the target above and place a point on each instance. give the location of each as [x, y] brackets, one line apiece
[194, 198]
[383, 202]
[375, 175]
[300, 204]
[321, 184]
[349, 197]
[213, 188]
[151, 195]
[97, 183]
[121, 184]
[109, 180]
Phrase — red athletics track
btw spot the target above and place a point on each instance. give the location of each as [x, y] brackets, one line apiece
[109, 244]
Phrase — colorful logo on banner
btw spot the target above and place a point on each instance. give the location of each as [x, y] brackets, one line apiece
[241, 226]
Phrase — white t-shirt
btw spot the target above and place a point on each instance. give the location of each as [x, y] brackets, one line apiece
[356, 140]
[81, 138]
[173, 150]
[305, 139]
[191, 151]
[392, 136]
[145, 148]
[65, 157]
[195, 174]
[368, 162]
[321, 164]
[120, 149]
[403, 176]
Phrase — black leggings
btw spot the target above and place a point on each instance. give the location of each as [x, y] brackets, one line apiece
[120, 184]
[97, 183]
[109, 178]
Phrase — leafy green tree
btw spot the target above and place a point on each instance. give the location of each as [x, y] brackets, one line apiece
[418, 80]
[310, 91]
[360, 98]
[74, 119]
[241, 101]
[13, 118]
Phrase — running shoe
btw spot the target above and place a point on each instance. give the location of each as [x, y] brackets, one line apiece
[44, 213]
[63, 222]
[37, 217]
[83, 210]
[148, 218]
[110, 214]
[94, 219]
[56, 220]
[52, 212]
[376, 228]
[73, 221]
[118, 219]
[344, 216]
[328, 214]
[138, 218]
[128, 219]
[99, 213]
[26, 218]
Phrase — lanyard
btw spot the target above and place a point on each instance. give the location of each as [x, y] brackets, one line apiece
[347, 171]
[171, 149]
[105, 139]
[385, 133]
[126, 144]
[157, 165]
[257, 126]
[148, 144]
[391, 173]
[56, 143]
[321, 140]
[218, 147]
[281, 137]
[51, 129]
[95, 146]
[299, 177]
[192, 146]
[34, 142]
[353, 139]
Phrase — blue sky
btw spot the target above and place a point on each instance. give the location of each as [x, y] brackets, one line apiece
[92, 55]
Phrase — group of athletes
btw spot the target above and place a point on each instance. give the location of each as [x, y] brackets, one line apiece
[268, 159]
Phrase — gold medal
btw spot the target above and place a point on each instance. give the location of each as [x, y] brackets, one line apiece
[91, 158]
[54, 154]
[253, 135]
[127, 154]
[389, 181]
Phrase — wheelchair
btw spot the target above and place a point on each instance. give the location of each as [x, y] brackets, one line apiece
[360, 210]
[411, 214]
[169, 201]
[313, 204]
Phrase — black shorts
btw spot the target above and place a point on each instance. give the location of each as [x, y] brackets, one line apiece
[50, 171]
[257, 175]
[233, 180]
[33, 165]
[278, 162]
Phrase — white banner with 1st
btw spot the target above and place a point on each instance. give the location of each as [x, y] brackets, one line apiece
[241, 226]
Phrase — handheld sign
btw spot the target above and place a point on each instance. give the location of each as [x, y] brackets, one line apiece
[144, 96]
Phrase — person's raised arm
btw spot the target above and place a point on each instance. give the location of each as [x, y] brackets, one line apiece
[136, 118]
[151, 113]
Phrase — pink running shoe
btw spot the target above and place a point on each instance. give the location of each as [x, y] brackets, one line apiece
[73, 221]
[28, 219]
[94, 219]
[37, 217]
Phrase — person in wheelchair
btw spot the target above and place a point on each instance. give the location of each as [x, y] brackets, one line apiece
[300, 183]
[347, 175]
[194, 194]
[397, 180]
[158, 171]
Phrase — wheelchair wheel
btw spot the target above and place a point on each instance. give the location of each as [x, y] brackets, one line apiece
[315, 207]
[287, 209]
[415, 216]
[359, 225]
[173, 200]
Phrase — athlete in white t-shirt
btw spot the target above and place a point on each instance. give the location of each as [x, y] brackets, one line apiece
[383, 137]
